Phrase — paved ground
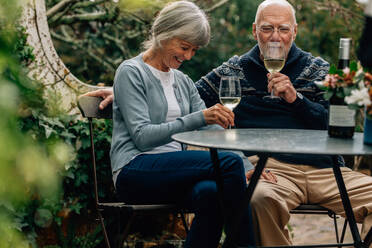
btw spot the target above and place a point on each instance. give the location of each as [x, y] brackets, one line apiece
[316, 229]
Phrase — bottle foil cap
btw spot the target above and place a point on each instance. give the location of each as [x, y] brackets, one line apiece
[344, 49]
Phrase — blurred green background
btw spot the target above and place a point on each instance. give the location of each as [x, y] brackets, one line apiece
[93, 48]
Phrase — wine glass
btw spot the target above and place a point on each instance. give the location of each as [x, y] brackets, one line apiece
[230, 92]
[274, 60]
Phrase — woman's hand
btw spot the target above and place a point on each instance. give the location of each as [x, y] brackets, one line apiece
[106, 94]
[219, 114]
[266, 174]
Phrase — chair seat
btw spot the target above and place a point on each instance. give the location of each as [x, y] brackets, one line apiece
[139, 208]
[311, 209]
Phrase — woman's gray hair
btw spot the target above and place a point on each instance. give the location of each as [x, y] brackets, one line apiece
[183, 20]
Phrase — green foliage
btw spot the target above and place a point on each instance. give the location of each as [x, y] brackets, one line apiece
[322, 23]
[77, 197]
[23, 51]
[38, 147]
[28, 169]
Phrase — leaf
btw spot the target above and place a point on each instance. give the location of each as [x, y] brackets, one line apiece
[354, 106]
[327, 95]
[48, 130]
[353, 66]
[340, 93]
[340, 72]
[43, 217]
[347, 91]
[333, 69]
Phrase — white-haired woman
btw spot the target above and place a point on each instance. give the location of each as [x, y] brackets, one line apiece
[153, 100]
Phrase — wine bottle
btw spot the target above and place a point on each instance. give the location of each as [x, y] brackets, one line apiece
[341, 119]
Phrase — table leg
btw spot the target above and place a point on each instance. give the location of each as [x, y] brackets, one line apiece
[218, 178]
[231, 238]
[347, 205]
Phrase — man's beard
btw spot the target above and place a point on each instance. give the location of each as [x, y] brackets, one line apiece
[262, 47]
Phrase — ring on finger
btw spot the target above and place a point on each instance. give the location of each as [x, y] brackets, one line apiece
[267, 171]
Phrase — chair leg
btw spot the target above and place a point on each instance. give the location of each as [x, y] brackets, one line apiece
[368, 238]
[122, 234]
[334, 217]
[184, 222]
[343, 231]
[104, 230]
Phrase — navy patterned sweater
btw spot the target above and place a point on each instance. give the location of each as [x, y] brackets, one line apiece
[311, 112]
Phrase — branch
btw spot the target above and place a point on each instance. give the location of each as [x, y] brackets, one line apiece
[135, 17]
[79, 45]
[56, 8]
[216, 6]
[53, 20]
[335, 7]
[117, 42]
[88, 17]
[88, 3]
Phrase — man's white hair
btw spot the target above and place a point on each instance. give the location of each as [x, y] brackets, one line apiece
[266, 3]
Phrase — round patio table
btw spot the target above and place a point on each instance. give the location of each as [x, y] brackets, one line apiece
[265, 142]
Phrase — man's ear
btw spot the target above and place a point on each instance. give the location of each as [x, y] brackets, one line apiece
[294, 32]
[254, 30]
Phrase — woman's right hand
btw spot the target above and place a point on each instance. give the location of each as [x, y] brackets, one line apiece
[219, 114]
[107, 94]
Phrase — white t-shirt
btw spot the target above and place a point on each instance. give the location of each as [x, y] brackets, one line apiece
[174, 111]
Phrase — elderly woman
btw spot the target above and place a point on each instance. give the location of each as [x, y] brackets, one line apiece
[153, 100]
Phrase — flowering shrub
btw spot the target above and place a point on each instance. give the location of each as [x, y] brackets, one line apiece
[362, 95]
[353, 84]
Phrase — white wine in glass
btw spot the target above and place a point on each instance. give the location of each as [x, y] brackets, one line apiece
[274, 65]
[230, 92]
[230, 102]
[274, 60]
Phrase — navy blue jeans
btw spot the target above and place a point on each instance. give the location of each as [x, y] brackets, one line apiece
[187, 178]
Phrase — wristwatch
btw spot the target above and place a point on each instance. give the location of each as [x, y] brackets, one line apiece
[299, 95]
[298, 100]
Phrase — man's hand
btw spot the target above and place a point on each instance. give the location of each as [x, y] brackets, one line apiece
[282, 86]
[266, 174]
[106, 94]
[219, 114]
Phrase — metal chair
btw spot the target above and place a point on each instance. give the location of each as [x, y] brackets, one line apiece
[317, 209]
[89, 109]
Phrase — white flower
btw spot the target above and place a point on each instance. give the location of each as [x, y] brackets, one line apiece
[359, 97]
[346, 70]
[319, 83]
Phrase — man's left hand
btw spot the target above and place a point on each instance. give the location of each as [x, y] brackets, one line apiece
[266, 175]
[282, 86]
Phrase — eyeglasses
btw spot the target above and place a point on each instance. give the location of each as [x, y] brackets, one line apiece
[282, 30]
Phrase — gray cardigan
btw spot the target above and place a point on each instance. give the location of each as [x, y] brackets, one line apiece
[140, 109]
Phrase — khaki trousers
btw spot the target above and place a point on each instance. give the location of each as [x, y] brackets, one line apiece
[271, 202]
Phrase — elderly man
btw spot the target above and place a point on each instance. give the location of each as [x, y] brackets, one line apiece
[300, 178]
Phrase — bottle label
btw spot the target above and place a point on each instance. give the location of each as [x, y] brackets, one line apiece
[341, 116]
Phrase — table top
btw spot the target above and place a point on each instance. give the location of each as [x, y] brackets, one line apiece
[297, 141]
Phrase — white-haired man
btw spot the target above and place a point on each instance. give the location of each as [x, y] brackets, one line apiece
[300, 178]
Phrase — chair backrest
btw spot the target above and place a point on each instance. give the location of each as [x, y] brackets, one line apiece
[89, 108]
